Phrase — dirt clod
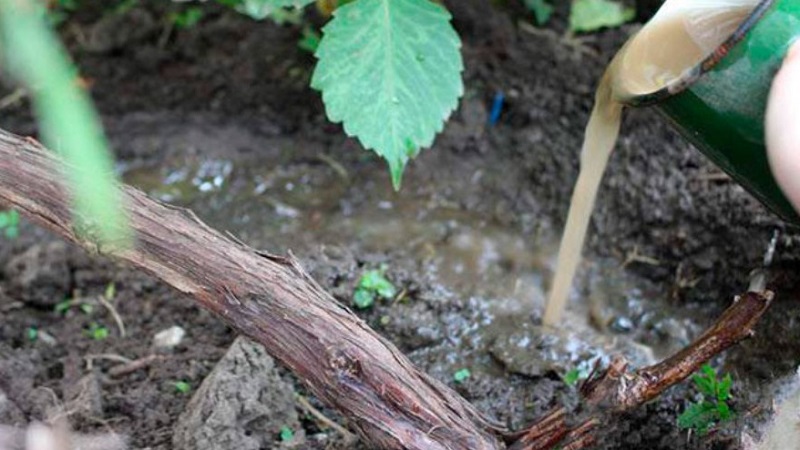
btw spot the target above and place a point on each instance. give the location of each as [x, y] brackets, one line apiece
[242, 404]
[41, 275]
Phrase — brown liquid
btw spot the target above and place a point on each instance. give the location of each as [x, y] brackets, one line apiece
[676, 39]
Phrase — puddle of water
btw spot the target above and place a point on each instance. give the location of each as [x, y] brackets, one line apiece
[502, 272]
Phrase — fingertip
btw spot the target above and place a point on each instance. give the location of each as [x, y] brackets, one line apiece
[782, 126]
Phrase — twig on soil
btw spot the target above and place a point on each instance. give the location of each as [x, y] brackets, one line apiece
[349, 437]
[114, 314]
[634, 256]
[139, 364]
[90, 359]
[617, 390]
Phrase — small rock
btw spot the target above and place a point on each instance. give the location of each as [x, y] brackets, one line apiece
[242, 404]
[40, 276]
[169, 338]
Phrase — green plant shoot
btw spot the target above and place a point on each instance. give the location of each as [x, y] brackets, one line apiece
[712, 407]
[182, 387]
[68, 121]
[542, 10]
[9, 223]
[461, 375]
[373, 284]
[286, 434]
[187, 18]
[97, 332]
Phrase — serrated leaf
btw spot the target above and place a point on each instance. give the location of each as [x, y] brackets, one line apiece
[724, 411]
[724, 388]
[390, 71]
[260, 9]
[704, 385]
[698, 416]
[590, 15]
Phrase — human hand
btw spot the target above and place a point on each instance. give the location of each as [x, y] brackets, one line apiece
[783, 126]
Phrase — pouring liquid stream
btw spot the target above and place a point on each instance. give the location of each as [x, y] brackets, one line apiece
[679, 36]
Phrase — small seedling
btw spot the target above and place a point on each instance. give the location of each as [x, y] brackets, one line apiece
[286, 434]
[9, 223]
[111, 291]
[32, 333]
[182, 387]
[461, 375]
[65, 305]
[712, 406]
[97, 332]
[542, 10]
[572, 377]
[187, 18]
[372, 285]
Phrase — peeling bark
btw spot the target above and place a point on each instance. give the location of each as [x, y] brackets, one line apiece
[269, 298]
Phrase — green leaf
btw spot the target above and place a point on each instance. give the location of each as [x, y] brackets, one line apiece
[590, 15]
[111, 291]
[286, 434]
[699, 416]
[542, 10]
[390, 71]
[32, 333]
[12, 232]
[182, 387]
[69, 123]
[461, 375]
[363, 298]
[704, 385]
[187, 18]
[260, 9]
[724, 411]
[375, 282]
[571, 378]
[724, 388]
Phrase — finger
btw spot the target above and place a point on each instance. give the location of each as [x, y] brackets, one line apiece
[783, 126]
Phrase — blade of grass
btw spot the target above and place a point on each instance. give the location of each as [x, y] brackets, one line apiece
[69, 124]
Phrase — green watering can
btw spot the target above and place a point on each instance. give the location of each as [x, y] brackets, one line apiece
[719, 105]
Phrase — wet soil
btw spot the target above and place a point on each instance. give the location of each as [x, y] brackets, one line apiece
[219, 118]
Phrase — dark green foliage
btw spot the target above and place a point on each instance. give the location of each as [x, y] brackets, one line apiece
[712, 407]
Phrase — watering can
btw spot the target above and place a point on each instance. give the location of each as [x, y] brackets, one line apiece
[720, 103]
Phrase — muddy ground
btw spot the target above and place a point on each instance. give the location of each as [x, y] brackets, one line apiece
[220, 118]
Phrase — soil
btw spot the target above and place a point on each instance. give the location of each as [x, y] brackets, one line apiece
[219, 117]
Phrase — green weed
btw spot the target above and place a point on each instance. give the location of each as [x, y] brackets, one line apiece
[97, 332]
[712, 407]
[286, 434]
[461, 375]
[371, 286]
[9, 223]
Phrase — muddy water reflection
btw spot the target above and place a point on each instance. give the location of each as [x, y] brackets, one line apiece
[501, 271]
